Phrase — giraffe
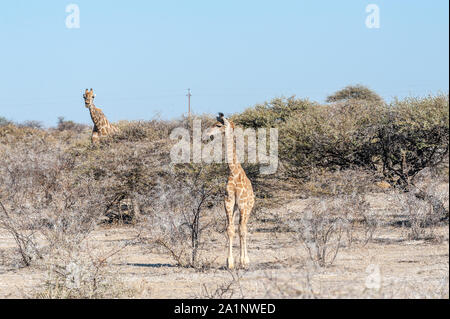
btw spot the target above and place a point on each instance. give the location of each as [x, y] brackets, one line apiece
[239, 191]
[102, 127]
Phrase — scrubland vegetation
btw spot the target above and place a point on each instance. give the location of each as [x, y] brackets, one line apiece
[57, 192]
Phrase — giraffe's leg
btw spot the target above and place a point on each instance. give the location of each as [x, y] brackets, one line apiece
[243, 237]
[229, 207]
[95, 137]
[245, 206]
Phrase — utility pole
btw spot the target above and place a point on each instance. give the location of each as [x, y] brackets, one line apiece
[189, 103]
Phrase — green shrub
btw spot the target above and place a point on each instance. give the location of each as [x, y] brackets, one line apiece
[335, 136]
[398, 140]
[271, 114]
[415, 136]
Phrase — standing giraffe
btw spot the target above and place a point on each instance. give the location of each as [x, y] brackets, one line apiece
[102, 127]
[239, 191]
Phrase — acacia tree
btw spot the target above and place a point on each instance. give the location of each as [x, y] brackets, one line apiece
[415, 136]
[355, 92]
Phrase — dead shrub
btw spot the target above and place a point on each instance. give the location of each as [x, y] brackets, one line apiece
[320, 228]
[80, 272]
[322, 182]
[64, 125]
[227, 289]
[26, 240]
[45, 202]
[358, 214]
[132, 131]
[177, 220]
[419, 215]
[136, 131]
[299, 285]
[50, 208]
[31, 124]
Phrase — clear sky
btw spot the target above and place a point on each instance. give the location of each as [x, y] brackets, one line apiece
[141, 56]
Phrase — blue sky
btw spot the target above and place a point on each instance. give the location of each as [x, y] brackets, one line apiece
[141, 56]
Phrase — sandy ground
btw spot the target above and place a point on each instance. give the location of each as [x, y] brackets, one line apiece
[387, 267]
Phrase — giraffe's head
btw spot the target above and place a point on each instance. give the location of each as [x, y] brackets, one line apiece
[88, 98]
[219, 127]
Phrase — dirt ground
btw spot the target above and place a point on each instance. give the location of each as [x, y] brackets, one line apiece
[389, 266]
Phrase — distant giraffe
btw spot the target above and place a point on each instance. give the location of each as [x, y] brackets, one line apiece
[239, 191]
[102, 127]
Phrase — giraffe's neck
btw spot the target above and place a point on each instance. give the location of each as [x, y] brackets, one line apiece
[95, 116]
[233, 164]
